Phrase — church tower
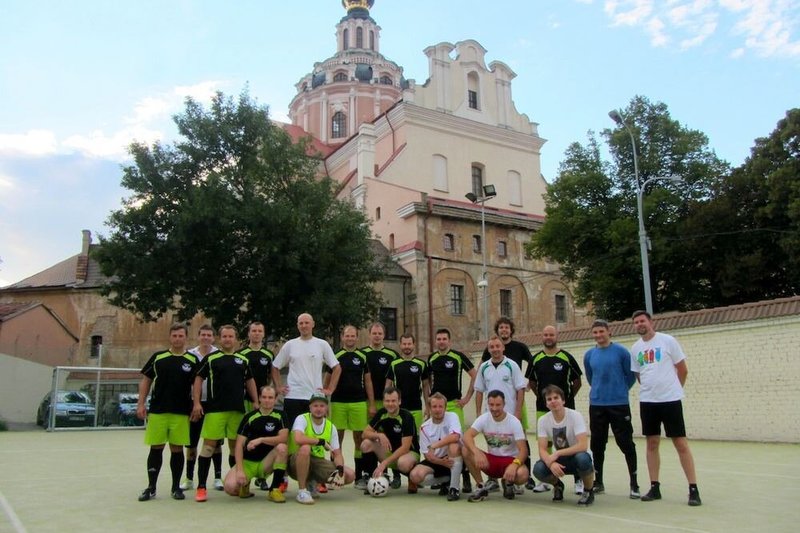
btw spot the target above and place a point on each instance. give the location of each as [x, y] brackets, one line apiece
[353, 86]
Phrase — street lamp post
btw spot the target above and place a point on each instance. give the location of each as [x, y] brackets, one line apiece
[489, 192]
[640, 188]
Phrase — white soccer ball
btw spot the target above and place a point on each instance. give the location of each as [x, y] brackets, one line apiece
[378, 486]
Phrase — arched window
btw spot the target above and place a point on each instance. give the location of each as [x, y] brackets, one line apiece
[340, 76]
[440, 173]
[359, 37]
[339, 125]
[371, 40]
[345, 39]
[514, 188]
[477, 181]
[473, 91]
[386, 80]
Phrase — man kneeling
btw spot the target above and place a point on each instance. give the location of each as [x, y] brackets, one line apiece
[507, 449]
[260, 449]
[566, 429]
[440, 444]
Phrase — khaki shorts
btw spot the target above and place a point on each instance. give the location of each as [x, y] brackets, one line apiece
[319, 470]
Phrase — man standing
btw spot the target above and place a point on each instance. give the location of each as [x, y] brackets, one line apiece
[260, 449]
[205, 338]
[411, 376]
[566, 429]
[170, 373]
[440, 445]
[503, 374]
[305, 357]
[228, 375]
[608, 371]
[506, 449]
[390, 439]
[554, 366]
[352, 403]
[313, 435]
[660, 366]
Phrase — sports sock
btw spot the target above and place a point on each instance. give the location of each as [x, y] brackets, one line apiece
[190, 468]
[455, 479]
[369, 462]
[217, 458]
[154, 461]
[277, 475]
[203, 466]
[176, 466]
[231, 461]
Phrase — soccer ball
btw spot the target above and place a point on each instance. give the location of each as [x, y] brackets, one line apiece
[378, 486]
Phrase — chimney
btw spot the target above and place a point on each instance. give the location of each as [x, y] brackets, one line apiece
[82, 270]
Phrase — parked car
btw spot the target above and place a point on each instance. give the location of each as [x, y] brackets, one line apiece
[121, 411]
[73, 409]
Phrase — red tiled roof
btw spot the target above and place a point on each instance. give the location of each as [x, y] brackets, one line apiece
[316, 146]
[11, 309]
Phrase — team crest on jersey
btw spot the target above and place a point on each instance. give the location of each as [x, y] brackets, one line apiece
[449, 364]
[269, 426]
[264, 361]
[506, 379]
[383, 360]
[186, 367]
[558, 366]
[397, 428]
[238, 361]
[414, 369]
[357, 362]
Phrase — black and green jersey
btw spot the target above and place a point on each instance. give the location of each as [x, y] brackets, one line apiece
[407, 376]
[559, 369]
[396, 427]
[226, 375]
[173, 376]
[351, 381]
[260, 362]
[378, 362]
[446, 372]
[256, 425]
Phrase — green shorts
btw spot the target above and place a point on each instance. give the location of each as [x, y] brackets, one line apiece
[523, 413]
[166, 428]
[349, 415]
[253, 469]
[453, 407]
[222, 425]
[418, 418]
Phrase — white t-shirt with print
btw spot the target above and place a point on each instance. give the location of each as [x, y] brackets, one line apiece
[655, 361]
[501, 437]
[431, 432]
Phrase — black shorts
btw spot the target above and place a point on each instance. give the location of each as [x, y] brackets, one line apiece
[668, 413]
[438, 470]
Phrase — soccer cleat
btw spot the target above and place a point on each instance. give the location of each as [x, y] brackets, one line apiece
[322, 488]
[558, 491]
[396, 481]
[491, 485]
[444, 489]
[635, 494]
[284, 486]
[412, 487]
[361, 483]
[453, 495]
[598, 487]
[694, 498]
[200, 495]
[147, 494]
[508, 490]
[262, 484]
[188, 484]
[587, 498]
[479, 495]
[178, 494]
[653, 494]
[218, 485]
[436, 486]
[578, 486]
[244, 492]
[304, 497]
[275, 495]
[541, 487]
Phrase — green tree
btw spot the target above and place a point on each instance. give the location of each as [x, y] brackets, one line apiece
[591, 227]
[231, 221]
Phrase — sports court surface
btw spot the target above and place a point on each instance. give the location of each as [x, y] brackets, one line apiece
[88, 481]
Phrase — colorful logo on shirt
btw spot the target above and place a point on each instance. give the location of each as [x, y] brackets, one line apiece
[186, 367]
[648, 357]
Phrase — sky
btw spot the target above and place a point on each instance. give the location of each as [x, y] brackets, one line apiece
[81, 80]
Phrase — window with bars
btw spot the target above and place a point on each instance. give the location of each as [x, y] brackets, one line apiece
[505, 303]
[339, 125]
[340, 76]
[448, 242]
[477, 181]
[502, 249]
[561, 308]
[388, 317]
[472, 99]
[456, 299]
[359, 37]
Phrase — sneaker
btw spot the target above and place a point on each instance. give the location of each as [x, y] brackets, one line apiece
[218, 485]
[635, 494]
[188, 484]
[453, 495]
[653, 494]
[558, 491]
[444, 489]
[694, 498]
[304, 497]
[262, 484]
[284, 486]
[147, 494]
[492, 485]
[322, 488]
[541, 487]
[480, 494]
[598, 487]
[508, 490]
[519, 490]
[412, 487]
[466, 488]
[587, 498]
[244, 492]
[178, 494]
[396, 481]
[436, 486]
[361, 483]
[200, 495]
[578, 486]
[275, 495]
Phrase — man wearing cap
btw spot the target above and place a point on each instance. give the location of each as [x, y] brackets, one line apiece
[313, 435]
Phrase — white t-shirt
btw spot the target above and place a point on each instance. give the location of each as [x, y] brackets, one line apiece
[506, 377]
[301, 425]
[431, 432]
[562, 434]
[655, 361]
[501, 437]
[196, 351]
[305, 359]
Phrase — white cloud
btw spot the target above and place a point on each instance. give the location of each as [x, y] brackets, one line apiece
[767, 25]
[31, 143]
[628, 12]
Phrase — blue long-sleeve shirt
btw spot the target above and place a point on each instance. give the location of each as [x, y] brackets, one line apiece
[608, 371]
